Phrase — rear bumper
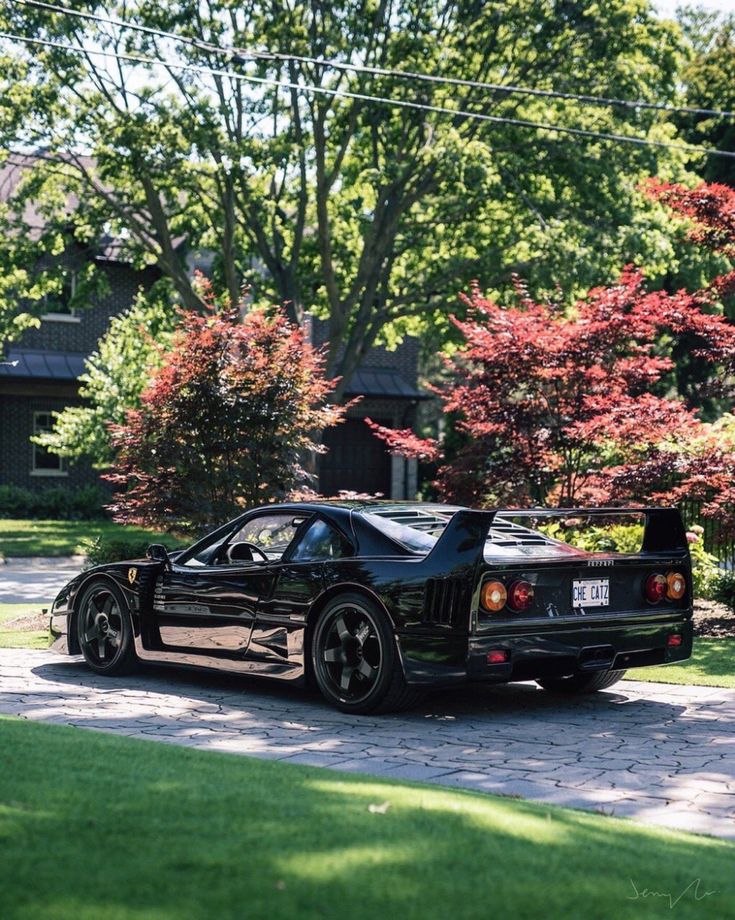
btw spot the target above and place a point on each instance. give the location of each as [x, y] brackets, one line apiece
[579, 648]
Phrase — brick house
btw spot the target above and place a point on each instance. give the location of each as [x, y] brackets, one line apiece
[389, 395]
[51, 358]
[45, 380]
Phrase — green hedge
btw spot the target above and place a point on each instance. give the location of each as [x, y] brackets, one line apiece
[54, 503]
[118, 549]
[627, 538]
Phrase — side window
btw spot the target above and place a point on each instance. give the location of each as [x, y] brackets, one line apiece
[208, 552]
[44, 462]
[59, 305]
[271, 533]
[320, 542]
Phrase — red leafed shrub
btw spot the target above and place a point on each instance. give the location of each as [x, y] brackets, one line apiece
[406, 442]
[224, 423]
[566, 409]
[711, 209]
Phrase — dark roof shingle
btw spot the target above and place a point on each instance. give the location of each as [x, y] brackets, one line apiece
[42, 365]
[382, 382]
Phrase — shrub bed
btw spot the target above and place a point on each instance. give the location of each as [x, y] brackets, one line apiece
[55, 502]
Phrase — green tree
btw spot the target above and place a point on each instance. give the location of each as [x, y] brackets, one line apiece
[35, 232]
[369, 214]
[709, 78]
[116, 374]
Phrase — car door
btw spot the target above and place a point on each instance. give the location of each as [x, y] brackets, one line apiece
[278, 633]
[207, 605]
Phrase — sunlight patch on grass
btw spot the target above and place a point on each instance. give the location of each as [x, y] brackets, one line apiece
[12, 637]
[13, 611]
[324, 863]
[492, 813]
[24, 638]
[66, 538]
[712, 665]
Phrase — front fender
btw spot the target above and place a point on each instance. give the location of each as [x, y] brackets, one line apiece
[134, 580]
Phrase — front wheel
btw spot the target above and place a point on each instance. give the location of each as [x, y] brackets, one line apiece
[104, 629]
[582, 683]
[355, 660]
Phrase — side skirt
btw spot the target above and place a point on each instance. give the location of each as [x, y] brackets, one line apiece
[290, 671]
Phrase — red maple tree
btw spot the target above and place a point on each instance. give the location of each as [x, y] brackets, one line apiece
[575, 407]
[226, 421]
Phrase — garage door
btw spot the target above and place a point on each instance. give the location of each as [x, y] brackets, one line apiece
[356, 460]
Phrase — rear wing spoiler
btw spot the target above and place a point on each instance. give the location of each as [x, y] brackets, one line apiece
[462, 541]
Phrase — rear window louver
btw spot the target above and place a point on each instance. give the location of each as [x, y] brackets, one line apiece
[445, 602]
[418, 519]
[506, 533]
[502, 533]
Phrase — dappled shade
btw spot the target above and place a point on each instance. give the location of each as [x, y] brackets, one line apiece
[211, 835]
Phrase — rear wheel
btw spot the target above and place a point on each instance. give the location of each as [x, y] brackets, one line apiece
[104, 629]
[355, 660]
[582, 683]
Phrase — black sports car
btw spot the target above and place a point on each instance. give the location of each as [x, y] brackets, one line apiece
[374, 601]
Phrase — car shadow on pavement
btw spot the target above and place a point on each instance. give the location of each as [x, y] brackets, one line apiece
[469, 701]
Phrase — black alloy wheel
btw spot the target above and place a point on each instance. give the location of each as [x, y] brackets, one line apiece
[104, 630]
[355, 659]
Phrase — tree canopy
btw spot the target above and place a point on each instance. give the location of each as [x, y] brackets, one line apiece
[709, 78]
[567, 409]
[370, 214]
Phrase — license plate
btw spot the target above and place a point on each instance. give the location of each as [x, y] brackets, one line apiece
[592, 592]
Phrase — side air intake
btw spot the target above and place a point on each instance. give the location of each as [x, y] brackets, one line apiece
[446, 601]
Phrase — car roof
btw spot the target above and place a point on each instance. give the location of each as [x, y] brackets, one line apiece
[371, 539]
[364, 505]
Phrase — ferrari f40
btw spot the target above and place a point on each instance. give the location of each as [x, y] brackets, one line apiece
[376, 601]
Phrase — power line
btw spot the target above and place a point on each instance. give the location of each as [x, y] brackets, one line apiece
[121, 23]
[381, 100]
[257, 54]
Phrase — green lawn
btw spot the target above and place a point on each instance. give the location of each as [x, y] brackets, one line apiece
[21, 638]
[66, 538]
[712, 665]
[93, 825]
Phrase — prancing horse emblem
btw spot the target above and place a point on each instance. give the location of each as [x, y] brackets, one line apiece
[132, 575]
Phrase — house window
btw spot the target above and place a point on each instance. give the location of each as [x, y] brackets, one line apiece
[58, 306]
[44, 462]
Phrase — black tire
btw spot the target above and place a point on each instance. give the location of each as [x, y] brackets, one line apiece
[582, 683]
[104, 629]
[355, 660]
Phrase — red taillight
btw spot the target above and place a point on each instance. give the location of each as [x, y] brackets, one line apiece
[498, 656]
[674, 641]
[520, 595]
[655, 589]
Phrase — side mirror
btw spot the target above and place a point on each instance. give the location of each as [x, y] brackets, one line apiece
[158, 553]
